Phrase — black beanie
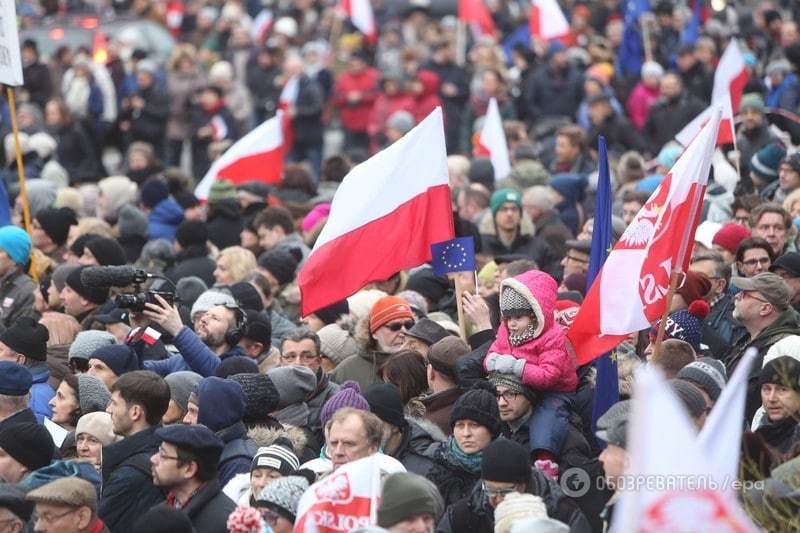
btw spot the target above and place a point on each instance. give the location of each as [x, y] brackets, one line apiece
[192, 233]
[56, 221]
[79, 243]
[261, 396]
[29, 444]
[27, 337]
[332, 313]
[97, 295]
[107, 251]
[505, 461]
[281, 263]
[247, 296]
[258, 328]
[385, 402]
[783, 371]
[238, 364]
[163, 520]
[479, 405]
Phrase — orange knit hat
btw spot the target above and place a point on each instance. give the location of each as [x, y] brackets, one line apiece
[387, 309]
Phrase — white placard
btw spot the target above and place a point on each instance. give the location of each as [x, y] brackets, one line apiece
[57, 432]
[10, 60]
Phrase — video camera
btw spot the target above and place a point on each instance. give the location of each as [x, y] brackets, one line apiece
[124, 276]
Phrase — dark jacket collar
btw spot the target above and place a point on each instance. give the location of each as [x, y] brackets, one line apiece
[202, 497]
[20, 417]
[230, 433]
[117, 453]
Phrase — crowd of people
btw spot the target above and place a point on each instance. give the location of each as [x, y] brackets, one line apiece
[203, 401]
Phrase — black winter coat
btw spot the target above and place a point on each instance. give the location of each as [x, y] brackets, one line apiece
[225, 223]
[528, 245]
[149, 124]
[411, 452]
[553, 92]
[193, 261]
[208, 509]
[38, 83]
[75, 153]
[453, 481]
[668, 117]
[307, 122]
[620, 136]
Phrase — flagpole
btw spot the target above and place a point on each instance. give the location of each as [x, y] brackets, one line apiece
[461, 43]
[644, 20]
[460, 305]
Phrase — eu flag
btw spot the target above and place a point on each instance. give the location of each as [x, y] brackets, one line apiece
[5, 206]
[456, 255]
[606, 389]
[692, 30]
[631, 49]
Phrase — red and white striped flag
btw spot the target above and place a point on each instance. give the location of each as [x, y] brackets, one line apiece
[492, 141]
[547, 21]
[477, 16]
[256, 156]
[386, 214]
[360, 14]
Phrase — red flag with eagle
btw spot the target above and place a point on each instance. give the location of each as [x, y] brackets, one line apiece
[629, 293]
[360, 14]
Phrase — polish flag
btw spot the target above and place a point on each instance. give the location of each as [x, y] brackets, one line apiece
[256, 156]
[629, 293]
[219, 130]
[174, 17]
[360, 14]
[386, 214]
[670, 483]
[492, 141]
[729, 81]
[477, 16]
[547, 21]
[262, 24]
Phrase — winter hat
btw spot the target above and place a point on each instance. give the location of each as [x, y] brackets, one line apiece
[209, 299]
[504, 196]
[15, 379]
[428, 284]
[192, 233]
[247, 296]
[96, 295]
[387, 309]
[479, 405]
[294, 384]
[185, 199]
[333, 312]
[241, 520]
[279, 262]
[444, 354]
[427, 331]
[686, 325]
[16, 243]
[512, 303]
[97, 424]
[502, 461]
[88, 341]
[28, 443]
[481, 171]
[652, 68]
[612, 426]
[793, 160]
[401, 121]
[79, 244]
[41, 195]
[730, 235]
[189, 289]
[349, 395]
[181, 385]
[56, 223]
[93, 395]
[12, 497]
[238, 364]
[27, 337]
[765, 163]
[220, 402]
[132, 222]
[783, 371]
[516, 506]
[385, 402]
[319, 213]
[753, 101]
[788, 346]
[405, 495]
[221, 190]
[708, 374]
[278, 457]
[259, 328]
[107, 251]
[153, 192]
[261, 396]
[695, 286]
[59, 276]
[120, 358]
[417, 301]
[361, 302]
[690, 395]
[336, 343]
[283, 495]
[511, 381]
[117, 191]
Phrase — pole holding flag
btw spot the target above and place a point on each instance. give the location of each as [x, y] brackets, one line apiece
[451, 258]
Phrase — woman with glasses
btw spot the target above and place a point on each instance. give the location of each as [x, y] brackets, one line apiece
[278, 502]
[93, 431]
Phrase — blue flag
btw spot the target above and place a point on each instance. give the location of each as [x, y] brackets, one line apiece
[631, 49]
[5, 208]
[692, 30]
[606, 388]
[456, 255]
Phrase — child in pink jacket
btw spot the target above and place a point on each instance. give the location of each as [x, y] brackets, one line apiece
[531, 346]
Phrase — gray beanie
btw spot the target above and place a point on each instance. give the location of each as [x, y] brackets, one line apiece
[88, 341]
[209, 299]
[283, 495]
[293, 383]
[708, 374]
[59, 277]
[181, 385]
[132, 222]
[690, 396]
[405, 495]
[93, 395]
[400, 121]
[189, 289]
[41, 195]
[336, 343]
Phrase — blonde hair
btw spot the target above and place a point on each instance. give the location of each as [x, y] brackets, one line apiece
[790, 200]
[239, 261]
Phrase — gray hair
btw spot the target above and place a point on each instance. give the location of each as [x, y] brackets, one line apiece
[301, 334]
[538, 196]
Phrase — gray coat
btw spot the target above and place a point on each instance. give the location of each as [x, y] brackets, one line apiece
[16, 298]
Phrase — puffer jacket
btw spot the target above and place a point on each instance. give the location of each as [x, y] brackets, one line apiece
[549, 366]
[164, 219]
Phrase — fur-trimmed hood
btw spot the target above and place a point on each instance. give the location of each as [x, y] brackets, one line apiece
[486, 224]
[540, 290]
[264, 436]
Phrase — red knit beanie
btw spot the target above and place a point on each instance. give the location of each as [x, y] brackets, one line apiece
[695, 287]
[387, 309]
[730, 235]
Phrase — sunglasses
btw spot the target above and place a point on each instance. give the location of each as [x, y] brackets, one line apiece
[397, 326]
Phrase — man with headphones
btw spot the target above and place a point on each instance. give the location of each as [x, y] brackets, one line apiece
[218, 333]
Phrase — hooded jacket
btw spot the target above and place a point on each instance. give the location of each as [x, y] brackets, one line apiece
[549, 366]
[225, 223]
[525, 244]
[428, 99]
[163, 220]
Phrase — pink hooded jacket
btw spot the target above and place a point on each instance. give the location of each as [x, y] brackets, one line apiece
[549, 366]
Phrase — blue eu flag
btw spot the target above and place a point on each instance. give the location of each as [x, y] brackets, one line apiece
[456, 255]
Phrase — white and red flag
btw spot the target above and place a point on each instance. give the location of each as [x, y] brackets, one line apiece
[360, 14]
[729, 80]
[492, 143]
[547, 21]
[386, 214]
[256, 156]
[629, 293]
[476, 15]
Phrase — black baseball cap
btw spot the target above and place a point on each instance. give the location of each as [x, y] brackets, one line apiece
[790, 262]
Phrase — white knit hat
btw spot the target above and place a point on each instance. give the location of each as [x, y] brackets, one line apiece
[209, 299]
[787, 346]
[336, 344]
[516, 506]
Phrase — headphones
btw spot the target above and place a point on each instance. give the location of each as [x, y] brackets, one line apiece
[235, 334]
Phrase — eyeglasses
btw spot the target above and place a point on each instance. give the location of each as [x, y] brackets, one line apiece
[49, 518]
[576, 259]
[496, 492]
[306, 357]
[508, 396]
[397, 326]
[163, 455]
[749, 294]
[757, 261]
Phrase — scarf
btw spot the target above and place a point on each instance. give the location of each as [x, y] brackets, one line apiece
[470, 462]
[522, 338]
